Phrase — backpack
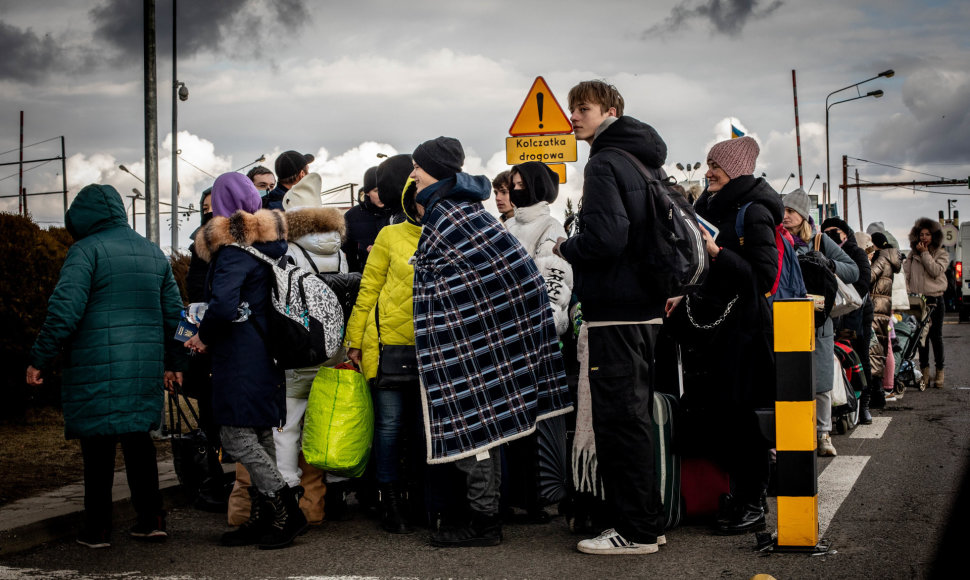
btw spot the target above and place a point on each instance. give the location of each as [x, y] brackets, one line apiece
[677, 262]
[788, 281]
[306, 322]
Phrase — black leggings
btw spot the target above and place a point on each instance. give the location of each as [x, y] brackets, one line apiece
[936, 335]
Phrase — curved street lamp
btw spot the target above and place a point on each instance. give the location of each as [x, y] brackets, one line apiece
[828, 168]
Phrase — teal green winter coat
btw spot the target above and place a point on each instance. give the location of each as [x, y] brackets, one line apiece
[113, 313]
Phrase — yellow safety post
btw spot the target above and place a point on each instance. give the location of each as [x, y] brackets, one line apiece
[795, 441]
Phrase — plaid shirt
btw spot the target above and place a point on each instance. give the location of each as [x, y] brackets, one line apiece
[487, 348]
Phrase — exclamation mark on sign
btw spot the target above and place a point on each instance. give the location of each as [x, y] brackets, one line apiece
[539, 97]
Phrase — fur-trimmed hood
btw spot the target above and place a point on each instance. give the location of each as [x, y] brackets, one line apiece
[936, 231]
[240, 228]
[305, 221]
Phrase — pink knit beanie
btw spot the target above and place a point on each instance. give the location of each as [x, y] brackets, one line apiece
[735, 156]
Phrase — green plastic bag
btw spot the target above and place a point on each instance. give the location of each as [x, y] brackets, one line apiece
[339, 423]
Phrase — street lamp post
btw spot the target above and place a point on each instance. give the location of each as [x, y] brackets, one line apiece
[180, 92]
[790, 175]
[817, 177]
[828, 168]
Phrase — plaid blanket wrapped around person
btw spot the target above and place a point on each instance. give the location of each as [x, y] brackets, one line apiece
[488, 353]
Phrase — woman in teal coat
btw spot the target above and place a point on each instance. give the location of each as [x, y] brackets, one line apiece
[113, 313]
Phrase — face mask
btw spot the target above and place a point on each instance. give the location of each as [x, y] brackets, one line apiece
[262, 192]
[519, 197]
[835, 236]
[206, 217]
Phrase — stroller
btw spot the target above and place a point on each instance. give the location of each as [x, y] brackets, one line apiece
[852, 381]
[910, 331]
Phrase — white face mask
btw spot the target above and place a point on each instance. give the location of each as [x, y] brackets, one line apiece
[262, 192]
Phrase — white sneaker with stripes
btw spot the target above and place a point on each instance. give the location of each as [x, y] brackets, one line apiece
[610, 542]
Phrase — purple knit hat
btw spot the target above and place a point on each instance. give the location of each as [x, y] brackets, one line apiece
[232, 192]
[735, 156]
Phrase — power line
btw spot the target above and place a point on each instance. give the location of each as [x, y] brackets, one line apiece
[31, 145]
[26, 170]
[896, 167]
[196, 167]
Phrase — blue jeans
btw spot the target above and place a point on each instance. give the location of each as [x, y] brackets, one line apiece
[397, 416]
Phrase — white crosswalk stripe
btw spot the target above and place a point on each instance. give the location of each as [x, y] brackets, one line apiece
[874, 431]
[834, 485]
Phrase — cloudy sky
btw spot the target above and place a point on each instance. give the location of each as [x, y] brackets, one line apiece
[348, 80]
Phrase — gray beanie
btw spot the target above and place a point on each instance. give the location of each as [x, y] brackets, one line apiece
[798, 201]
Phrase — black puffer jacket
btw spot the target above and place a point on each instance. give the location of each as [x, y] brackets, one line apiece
[606, 253]
[852, 249]
[741, 347]
[363, 221]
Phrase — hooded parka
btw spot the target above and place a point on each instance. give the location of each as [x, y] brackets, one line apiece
[113, 313]
[536, 229]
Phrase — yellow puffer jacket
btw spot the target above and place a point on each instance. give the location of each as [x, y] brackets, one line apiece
[387, 282]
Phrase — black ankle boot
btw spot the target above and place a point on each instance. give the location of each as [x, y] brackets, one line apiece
[288, 520]
[749, 517]
[865, 417]
[393, 510]
[250, 531]
[482, 530]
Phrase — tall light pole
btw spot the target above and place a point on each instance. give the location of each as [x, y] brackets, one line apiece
[180, 92]
[151, 127]
[790, 175]
[828, 170]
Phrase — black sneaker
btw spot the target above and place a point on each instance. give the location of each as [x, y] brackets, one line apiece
[150, 531]
[94, 540]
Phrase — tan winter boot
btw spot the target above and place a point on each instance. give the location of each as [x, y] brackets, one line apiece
[938, 383]
[924, 382]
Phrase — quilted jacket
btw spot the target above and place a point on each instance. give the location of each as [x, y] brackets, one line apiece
[113, 313]
[387, 282]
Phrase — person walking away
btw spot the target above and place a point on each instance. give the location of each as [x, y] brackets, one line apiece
[248, 389]
[113, 313]
[314, 236]
[925, 268]
[488, 354]
[622, 313]
[802, 228]
[726, 326]
[856, 325]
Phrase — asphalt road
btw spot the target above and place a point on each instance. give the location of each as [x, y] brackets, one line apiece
[885, 501]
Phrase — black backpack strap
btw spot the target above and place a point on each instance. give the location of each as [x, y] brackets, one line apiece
[633, 161]
[306, 255]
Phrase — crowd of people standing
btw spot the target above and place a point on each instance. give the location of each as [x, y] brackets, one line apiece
[480, 312]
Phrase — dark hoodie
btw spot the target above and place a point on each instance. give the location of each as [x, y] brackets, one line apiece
[606, 252]
[852, 249]
[541, 184]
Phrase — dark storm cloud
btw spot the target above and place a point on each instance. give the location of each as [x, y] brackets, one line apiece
[725, 16]
[936, 128]
[26, 56]
[240, 28]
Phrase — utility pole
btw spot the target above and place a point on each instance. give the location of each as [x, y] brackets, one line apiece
[175, 138]
[64, 174]
[858, 197]
[20, 183]
[845, 185]
[151, 127]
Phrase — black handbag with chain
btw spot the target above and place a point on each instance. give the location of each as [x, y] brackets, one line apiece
[397, 366]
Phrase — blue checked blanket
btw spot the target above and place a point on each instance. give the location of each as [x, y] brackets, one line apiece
[488, 353]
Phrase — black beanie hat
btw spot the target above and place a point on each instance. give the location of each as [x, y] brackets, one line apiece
[440, 158]
[370, 179]
[391, 175]
[880, 240]
[838, 223]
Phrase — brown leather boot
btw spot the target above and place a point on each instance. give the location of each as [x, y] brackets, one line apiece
[938, 382]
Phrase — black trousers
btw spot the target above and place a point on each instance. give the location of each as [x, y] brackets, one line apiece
[935, 337]
[141, 469]
[621, 376]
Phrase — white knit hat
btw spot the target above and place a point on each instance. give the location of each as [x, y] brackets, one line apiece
[306, 193]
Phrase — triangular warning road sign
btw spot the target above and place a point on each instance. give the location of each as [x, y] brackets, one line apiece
[540, 113]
